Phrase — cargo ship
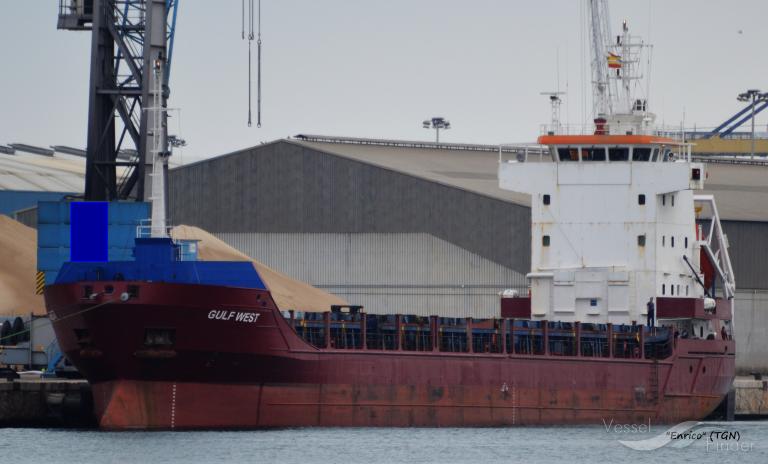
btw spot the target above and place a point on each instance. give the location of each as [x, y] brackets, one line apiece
[618, 237]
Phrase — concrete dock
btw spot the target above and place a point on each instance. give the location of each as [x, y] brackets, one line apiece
[37, 402]
[751, 397]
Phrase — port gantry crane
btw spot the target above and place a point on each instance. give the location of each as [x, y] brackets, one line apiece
[132, 43]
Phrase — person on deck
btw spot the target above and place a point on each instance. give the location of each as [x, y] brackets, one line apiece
[651, 312]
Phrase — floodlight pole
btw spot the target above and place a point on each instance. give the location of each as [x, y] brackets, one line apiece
[752, 95]
[437, 123]
[753, 127]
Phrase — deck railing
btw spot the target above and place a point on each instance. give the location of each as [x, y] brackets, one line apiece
[395, 332]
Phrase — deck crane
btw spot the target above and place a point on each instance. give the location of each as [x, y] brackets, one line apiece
[616, 73]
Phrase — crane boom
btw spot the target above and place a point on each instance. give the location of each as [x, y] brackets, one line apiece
[603, 90]
[618, 107]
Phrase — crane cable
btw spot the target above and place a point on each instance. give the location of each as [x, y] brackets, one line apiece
[258, 75]
[251, 15]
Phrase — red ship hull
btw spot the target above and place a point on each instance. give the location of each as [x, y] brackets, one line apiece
[228, 371]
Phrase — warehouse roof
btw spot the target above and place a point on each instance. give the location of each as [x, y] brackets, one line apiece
[24, 171]
[59, 168]
[741, 190]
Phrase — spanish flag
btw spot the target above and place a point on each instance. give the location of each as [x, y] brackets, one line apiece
[614, 61]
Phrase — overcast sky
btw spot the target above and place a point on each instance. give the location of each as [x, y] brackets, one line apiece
[377, 69]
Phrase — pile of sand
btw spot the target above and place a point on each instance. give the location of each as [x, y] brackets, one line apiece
[288, 293]
[18, 267]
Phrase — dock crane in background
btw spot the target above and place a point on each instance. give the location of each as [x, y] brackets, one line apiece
[131, 41]
[131, 44]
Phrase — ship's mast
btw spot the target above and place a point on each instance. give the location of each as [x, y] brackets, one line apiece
[158, 151]
[616, 74]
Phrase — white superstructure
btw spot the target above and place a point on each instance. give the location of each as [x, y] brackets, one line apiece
[613, 223]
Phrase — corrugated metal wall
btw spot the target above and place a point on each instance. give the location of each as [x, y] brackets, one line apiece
[749, 252]
[285, 187]
[387, 273]
[751, 331]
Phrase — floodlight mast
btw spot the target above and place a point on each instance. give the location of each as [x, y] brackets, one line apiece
[436, 123]
[753, 96]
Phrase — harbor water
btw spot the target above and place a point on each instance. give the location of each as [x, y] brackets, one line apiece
[588, 444]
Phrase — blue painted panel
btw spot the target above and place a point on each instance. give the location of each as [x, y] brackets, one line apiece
[54, 233]
[121, 236]
[89, 231]
[14, 200]
[53, 212]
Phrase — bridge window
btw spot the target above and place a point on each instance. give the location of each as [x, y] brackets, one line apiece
[641, 240]
[546, 199]
[663, 200]
[545, 240]
[568, 154]
[686, 243]
[672, 289]
[663, 289]
[663, 240]
[672, 241]
[673, 200]
[593, 154]
[641, 199]
[618, 154]
[641, 154]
